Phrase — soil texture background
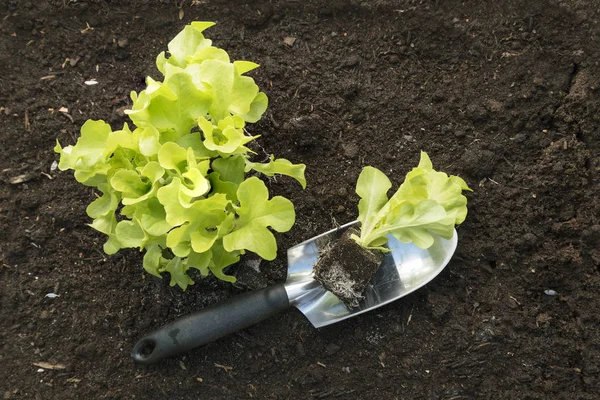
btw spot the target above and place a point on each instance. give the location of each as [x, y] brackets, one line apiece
[505, 94]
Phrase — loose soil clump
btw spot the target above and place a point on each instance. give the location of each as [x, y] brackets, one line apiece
[345, 268]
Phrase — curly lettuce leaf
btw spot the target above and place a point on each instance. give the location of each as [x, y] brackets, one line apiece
[227, 137]
[255, 214]
[279, 166]
[171, 107]
[87, 156]
[428, 203]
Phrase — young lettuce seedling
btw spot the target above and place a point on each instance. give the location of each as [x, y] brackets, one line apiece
[179, 180]
[428, 203]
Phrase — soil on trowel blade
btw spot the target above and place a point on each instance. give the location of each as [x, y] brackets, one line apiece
[345, 268]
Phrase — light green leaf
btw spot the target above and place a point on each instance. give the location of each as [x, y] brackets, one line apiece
[112, 245]
[119, 139]
[416, 223]
[178, 270]
[279, 166]
[152, 258]
[424, 182]
[208, 53]
[195, 183]
[220, 260]
[188, 42]
[103, 205]
[178, 240]
[226, 187]
[172, 156]
[152, 218]
[148, 140]
[161, 60]
[105, 224]
[130, 234]
[230, 169]
[171, 107]
[200, 230]
[226, 138]
[372, 187]
[199, 261]
[194, 141]
[257, 108]
[153, 171]
[257, 213]
[168, 196]
[87, 156]
[241, 67]
[232, 93]
[133, 187]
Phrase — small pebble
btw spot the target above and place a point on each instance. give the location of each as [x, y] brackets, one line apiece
[550, 292]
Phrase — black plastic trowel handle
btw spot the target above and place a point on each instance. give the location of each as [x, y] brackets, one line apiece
[210, 324]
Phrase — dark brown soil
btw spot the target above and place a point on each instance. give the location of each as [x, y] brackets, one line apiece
[345, 268]
[504, 93]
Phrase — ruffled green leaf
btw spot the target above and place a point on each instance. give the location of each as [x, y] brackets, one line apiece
[171, 107]
[172, 156]
[425, 181]
[199, 261]
[136, 187]
[178, 270]
[280, 166]
[221, 259]
[200, 230]
[168, 196]
[226, 187]
[227, 137]
[152, 259]
[232, 93]
[208, 53]
[428, 203]
[256, 213]
[188, 42]
[230, 169]
[372, 187]
[257, 108]
[108, 202]
[152, 218]
[195, 142]
[149, 140]
[87, 156]
[130, 234]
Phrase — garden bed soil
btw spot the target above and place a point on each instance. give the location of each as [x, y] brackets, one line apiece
[502, 93]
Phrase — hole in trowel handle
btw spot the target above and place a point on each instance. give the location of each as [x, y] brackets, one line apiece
[143, 349]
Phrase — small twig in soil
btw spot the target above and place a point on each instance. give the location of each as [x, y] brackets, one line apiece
[226, 368]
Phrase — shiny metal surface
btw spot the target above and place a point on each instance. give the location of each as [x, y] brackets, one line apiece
[405, 269]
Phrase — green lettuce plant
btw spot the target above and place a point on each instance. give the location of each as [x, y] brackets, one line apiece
[428, 202]
[176, 186]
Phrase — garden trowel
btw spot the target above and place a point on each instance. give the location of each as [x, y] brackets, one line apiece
[403, 270]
